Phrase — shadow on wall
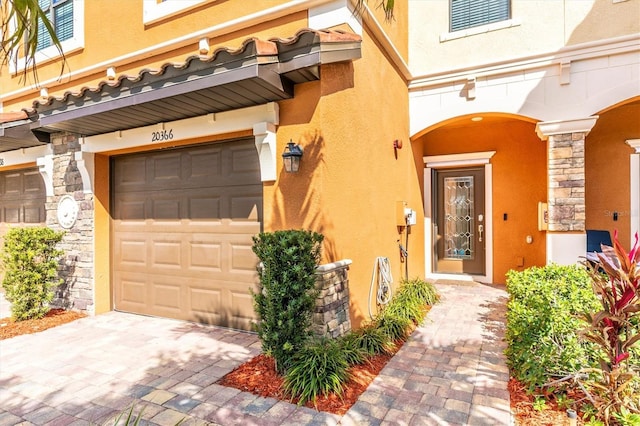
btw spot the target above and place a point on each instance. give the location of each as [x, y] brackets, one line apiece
[66, 271]
[591, 27]
[300, 196]
[72, 178]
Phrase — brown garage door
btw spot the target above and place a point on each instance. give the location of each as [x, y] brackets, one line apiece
[22, 199]
[182, 226]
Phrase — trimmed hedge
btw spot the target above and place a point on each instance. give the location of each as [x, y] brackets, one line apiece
[543, 322]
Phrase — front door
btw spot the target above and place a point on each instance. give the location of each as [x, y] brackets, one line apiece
[459, 221]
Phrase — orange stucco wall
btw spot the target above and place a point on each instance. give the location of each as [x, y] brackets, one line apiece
[126, 33]
[519, 183]
[607, 168]
[350, 178]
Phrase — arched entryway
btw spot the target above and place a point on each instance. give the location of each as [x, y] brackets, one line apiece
[484, 178]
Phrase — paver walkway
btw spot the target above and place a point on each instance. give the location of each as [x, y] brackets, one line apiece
[450, 372]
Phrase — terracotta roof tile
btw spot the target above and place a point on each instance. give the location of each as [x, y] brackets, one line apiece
[262, 48]
[257, 72]
[324, 36]
[7, 117]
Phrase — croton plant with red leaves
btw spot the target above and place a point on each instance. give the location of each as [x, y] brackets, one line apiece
[615, 328]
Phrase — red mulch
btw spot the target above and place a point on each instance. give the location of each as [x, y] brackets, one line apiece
[526, 415]
[10, 328]
[259, 377]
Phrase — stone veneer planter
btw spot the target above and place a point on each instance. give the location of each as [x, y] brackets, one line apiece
[331, 316]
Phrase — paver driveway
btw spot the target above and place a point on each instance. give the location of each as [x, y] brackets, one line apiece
[450, 372]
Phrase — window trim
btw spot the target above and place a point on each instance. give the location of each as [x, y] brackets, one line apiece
[495, 26]
[51, 53]
[154, 11]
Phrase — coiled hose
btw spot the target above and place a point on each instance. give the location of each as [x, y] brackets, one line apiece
[382, 276]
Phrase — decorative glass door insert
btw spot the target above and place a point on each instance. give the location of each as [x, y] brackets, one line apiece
[459, 217]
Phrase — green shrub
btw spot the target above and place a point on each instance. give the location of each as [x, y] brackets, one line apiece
[543, 322]
[411, 300]
[30, 261]
[318, 368]
[287, 294]
[372, 340]
[406, 305]
[396, 327]
[422, 290]
[353, 352]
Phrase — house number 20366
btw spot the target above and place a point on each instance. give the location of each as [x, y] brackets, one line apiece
[161, 136]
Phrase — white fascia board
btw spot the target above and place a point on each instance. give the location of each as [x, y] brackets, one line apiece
[24, 155]
[188, 128]
[334, 14]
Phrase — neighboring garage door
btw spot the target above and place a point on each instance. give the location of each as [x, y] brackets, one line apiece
[182, 226]
[22, 199]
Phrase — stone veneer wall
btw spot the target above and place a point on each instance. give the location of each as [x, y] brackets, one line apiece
[566, 182]
[331, 317]
[76, 268]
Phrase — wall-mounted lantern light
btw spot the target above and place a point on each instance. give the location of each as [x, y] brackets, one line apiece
[291, 157]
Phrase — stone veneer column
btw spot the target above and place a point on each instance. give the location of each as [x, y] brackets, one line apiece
[566, 240]
[566, 182]
[76, 291]
[331, 316]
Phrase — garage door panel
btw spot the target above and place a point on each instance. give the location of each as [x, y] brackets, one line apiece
[166, 169]
[34, 214]
[204, 207]
[241, 302]
[166, 255]
[241, 165]
[165, 208]
[244, 207]
[167, 296]
[221, 306]
[131, 251]
[133, 289]
[13, 184]
[32, 182]
[130, 172]
[129, 209]
[196, 233]
[205, 256]
[205, 300]
[11, 213]
[242, 258]
[206, 166]
[22, 200]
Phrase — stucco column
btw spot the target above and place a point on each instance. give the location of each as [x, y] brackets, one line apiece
[70, 209]
[566, 239]
[634, 187]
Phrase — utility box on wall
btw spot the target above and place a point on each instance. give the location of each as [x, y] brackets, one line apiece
[543, 216]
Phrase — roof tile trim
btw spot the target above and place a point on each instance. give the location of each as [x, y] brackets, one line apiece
[7, 117]
[262, 48]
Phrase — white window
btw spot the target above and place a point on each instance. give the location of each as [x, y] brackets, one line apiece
[156, 10]
[60, 15]
[67, 20]
[474, 13]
